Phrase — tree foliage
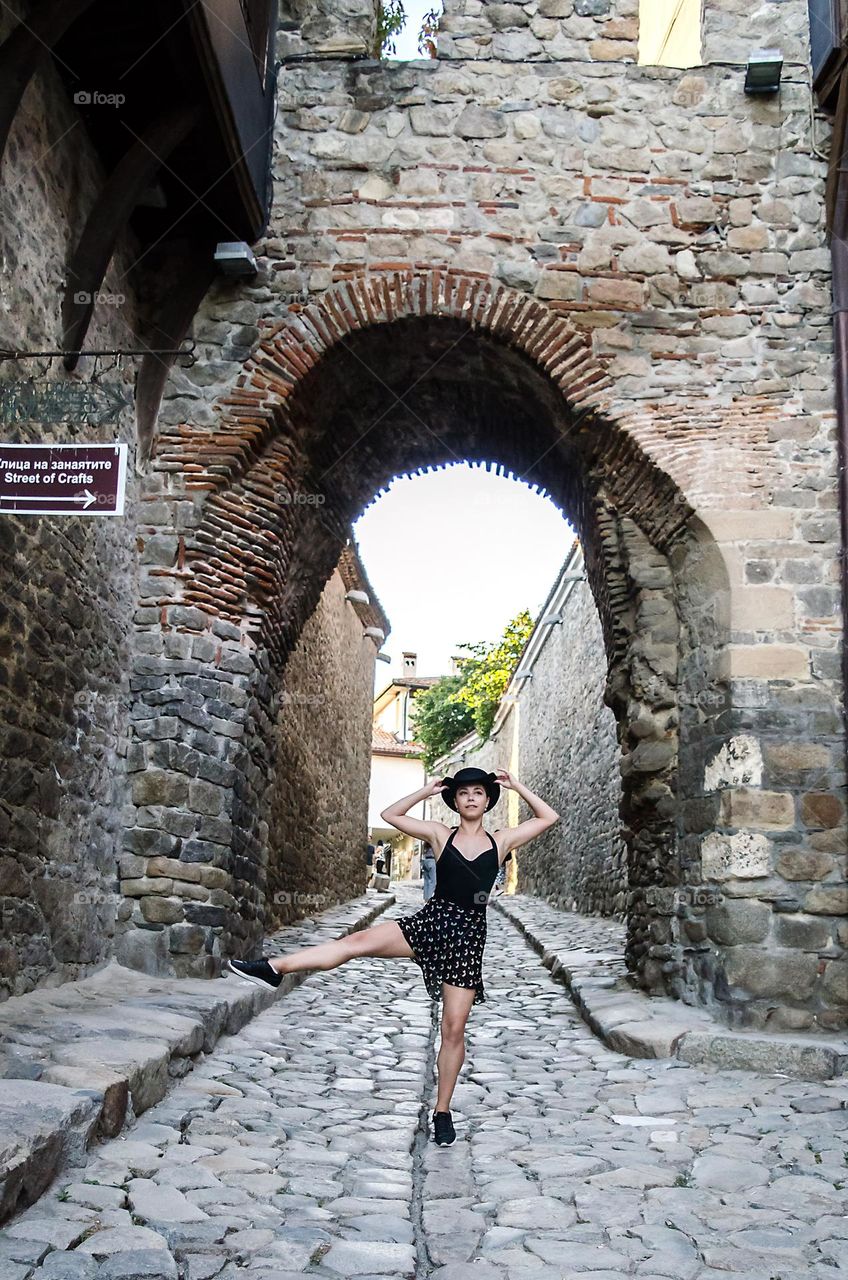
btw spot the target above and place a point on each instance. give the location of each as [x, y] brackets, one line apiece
[455, 705]
[439, 719]
[391, 19]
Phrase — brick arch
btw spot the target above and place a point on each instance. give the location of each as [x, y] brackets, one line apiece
[255, 412]
[250, 565]
[257, 446]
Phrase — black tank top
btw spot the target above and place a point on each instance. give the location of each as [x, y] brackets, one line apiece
[466, 881]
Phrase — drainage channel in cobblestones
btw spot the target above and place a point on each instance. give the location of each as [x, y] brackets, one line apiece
[300, 1147]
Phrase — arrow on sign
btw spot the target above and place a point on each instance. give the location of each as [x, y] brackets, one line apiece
[86, 498]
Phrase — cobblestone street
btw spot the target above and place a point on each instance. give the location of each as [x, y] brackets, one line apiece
[300, 1146]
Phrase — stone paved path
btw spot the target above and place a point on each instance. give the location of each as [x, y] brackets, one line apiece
[299, 1148]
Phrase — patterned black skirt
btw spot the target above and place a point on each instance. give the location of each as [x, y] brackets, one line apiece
[447, 941]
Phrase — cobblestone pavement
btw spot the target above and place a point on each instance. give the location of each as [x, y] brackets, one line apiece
[300, 1146]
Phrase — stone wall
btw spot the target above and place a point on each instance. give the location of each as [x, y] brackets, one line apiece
[319, 806]
[67, 586]
[569, 755]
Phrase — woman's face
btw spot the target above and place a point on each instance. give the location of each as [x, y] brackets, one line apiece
[471, 800]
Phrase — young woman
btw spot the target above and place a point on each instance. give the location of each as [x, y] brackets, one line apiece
[447, 935]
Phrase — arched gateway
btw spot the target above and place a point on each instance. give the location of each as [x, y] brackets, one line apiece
[610, 279]
[377, 377]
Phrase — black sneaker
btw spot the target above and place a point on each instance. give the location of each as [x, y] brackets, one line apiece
[443, 1130]
[258, 971]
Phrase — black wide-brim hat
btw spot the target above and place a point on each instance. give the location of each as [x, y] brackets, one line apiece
[464, 776]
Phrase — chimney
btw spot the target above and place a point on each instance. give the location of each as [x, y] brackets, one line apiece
[456, 665]
[410, 662]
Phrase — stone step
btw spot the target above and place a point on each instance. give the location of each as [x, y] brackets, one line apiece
[80, 1061]
[645, 1026]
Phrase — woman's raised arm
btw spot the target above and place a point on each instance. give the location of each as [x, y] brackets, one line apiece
[396, 814]
[545, 816]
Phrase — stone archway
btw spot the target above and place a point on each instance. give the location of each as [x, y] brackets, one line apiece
[382, 377]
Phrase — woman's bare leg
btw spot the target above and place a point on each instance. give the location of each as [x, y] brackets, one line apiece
[457, 1002]
[380, 940]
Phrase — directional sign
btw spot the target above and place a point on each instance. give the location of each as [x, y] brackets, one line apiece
[63, 479]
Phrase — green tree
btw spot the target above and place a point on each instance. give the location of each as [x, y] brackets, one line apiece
[455, 705]
[438, 719]
[486, 673]
[391, 18]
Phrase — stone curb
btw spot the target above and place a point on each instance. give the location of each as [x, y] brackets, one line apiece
[644, 1026]
[80, 1061]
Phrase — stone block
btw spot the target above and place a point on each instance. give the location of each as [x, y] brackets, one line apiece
[187, 938]
[612, 50]
[111, 1084]
[794, 1056]
[206, 798]
[161, 910]
[609, 291]
[764, 810]
[504, 16]
[146, 885]
[769, 661]
[156, 787]
[835, 982]
[565, 286]
[750, 526]
[480, 122]
[180, 615]
[754, 608]
[828, 900]
[737, 763]
[769, 973]
[43, 1128]
[822, 809]
[144, 950]
[806, 933]
[735, 922]
[803, 864]
[175, 868]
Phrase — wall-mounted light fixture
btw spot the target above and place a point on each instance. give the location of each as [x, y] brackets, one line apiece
[762, 74]
[235, 258]
[384, 657]
[358, 597]
[377, 632]
[523, 675]
[551, 619]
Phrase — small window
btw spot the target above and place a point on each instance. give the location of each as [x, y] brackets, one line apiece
[670, 33]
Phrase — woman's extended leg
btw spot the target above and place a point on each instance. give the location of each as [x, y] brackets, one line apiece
[380, 940]
[457, 1002]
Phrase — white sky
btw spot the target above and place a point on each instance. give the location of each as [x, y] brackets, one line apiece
[512, 542]
[406, 43]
